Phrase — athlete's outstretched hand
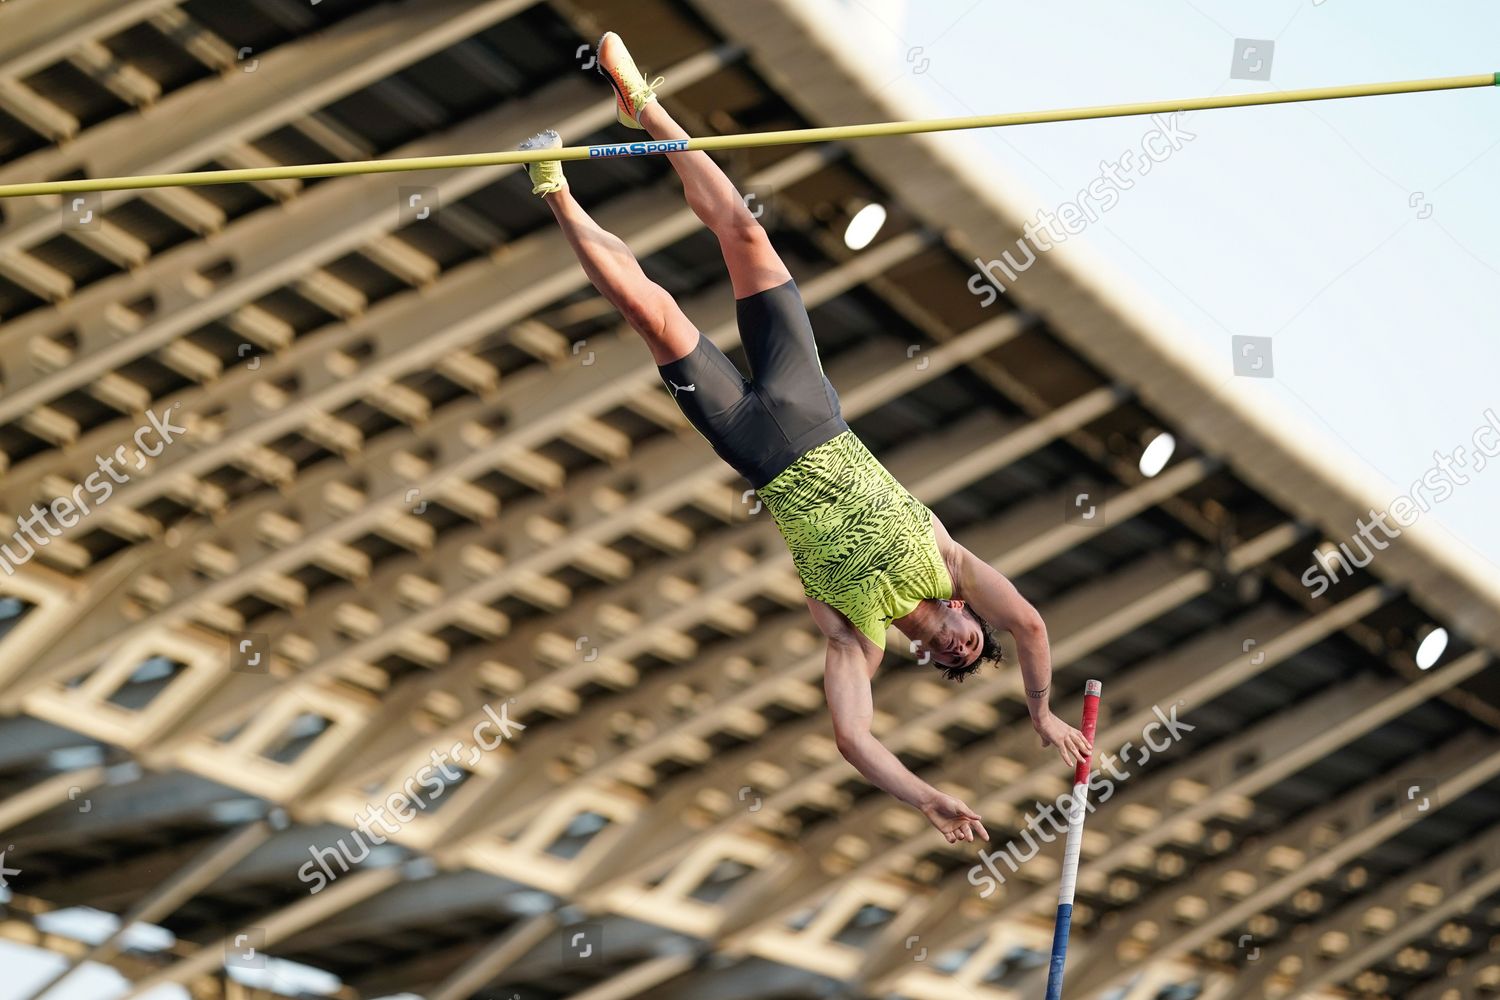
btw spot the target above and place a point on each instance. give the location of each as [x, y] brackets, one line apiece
[954, 820]
[1070, 742]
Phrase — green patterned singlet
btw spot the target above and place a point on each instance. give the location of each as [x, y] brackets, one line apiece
[861, 543]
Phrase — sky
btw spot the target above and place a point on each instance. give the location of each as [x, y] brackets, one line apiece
[1362, 236]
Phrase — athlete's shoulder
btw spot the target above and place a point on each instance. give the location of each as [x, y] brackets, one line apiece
[950, 552]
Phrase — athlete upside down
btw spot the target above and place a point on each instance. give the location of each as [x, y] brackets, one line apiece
[868, 552]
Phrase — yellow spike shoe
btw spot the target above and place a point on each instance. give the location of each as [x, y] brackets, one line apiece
[546, 175]
[632, 92]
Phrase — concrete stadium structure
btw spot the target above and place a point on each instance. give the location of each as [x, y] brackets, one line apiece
[428, 481]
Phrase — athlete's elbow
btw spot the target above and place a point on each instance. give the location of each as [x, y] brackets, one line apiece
[1028, 625]
[850, 739]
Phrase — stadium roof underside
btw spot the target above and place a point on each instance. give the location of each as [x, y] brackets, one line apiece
[427, 467]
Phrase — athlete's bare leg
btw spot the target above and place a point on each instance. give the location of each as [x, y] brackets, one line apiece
[753, 263]
[647, 307]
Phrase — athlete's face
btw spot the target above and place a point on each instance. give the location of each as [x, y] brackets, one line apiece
[957, 639]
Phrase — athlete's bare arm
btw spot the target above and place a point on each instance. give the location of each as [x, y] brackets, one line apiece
[996, 600]
[851, 661]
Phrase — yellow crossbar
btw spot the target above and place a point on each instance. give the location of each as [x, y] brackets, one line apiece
[832, 133]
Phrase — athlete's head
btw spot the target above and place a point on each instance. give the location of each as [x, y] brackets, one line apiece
[959, 640]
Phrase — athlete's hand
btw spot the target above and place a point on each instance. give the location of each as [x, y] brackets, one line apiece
[954, 820]
[1070, 743]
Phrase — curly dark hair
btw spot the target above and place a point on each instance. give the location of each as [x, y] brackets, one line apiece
[989, 651]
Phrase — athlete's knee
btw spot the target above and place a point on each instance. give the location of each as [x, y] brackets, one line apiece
[645, 310]
[754, 265]
[655, 315]
[738, 227]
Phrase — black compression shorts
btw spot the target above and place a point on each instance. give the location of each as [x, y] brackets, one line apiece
[762, 424]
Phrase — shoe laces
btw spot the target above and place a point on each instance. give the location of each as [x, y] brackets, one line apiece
[649, 90]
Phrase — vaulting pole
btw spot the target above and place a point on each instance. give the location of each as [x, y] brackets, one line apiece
[1076, 812]
[833, 133]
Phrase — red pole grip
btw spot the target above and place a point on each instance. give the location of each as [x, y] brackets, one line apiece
[1091, 692]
